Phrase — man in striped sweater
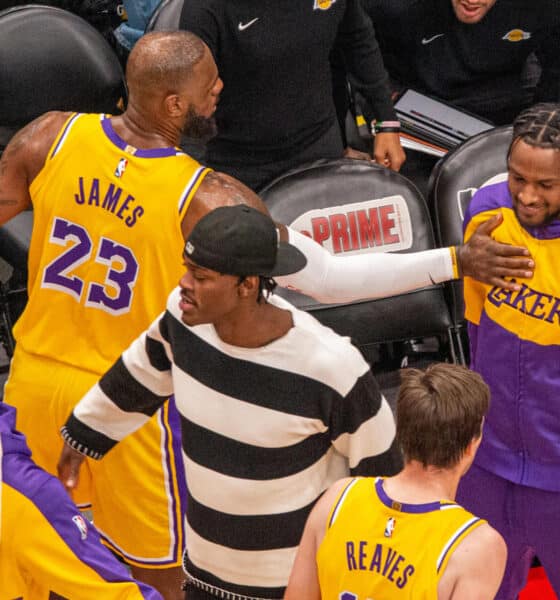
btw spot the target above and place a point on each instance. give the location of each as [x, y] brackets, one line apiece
[274, 406]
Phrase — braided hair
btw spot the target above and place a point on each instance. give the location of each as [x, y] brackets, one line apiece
[538, 126]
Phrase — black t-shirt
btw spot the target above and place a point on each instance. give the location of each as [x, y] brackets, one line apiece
[273, 57]
[479, 67]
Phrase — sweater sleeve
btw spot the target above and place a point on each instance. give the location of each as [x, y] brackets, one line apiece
[363, 429]
[126, 397]
[364, 62]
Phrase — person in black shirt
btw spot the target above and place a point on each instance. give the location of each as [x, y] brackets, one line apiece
[276, 110]
[472, 53]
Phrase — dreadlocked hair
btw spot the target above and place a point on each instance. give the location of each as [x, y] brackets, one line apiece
[538, 126]
[267, 285]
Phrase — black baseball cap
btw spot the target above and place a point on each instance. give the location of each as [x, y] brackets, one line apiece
[240, 240]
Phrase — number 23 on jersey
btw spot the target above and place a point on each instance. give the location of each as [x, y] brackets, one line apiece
[114, 294]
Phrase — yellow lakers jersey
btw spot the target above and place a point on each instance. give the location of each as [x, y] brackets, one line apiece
[378, 549]
[106, 247]
[533, 312]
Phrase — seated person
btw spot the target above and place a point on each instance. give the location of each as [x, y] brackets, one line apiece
[472, 53]
[47, 549]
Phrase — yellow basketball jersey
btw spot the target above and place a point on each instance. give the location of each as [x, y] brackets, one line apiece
[378, 549]
[106, 247]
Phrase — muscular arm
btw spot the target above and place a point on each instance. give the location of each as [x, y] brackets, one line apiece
[22, 160]
[476, 568]
[330, 278]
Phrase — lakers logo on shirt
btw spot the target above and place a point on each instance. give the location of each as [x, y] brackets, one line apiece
[323, 4]
[517, 35]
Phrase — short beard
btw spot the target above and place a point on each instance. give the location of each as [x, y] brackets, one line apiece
[198, 127]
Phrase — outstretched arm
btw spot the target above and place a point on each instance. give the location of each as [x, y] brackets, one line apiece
[22, 160]
[330, 278]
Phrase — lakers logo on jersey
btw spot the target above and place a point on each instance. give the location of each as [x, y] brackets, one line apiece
[323, 4]
[121, 167]
[389, 527]
[517, 35]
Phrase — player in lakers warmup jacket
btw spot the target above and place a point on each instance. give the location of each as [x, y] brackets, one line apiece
[404, 537]
[515, 346]
[46, 546]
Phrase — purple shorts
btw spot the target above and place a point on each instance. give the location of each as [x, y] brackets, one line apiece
[527, 518]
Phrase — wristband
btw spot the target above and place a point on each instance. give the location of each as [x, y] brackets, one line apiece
[385, 126]
[387, 130]
[457, 271]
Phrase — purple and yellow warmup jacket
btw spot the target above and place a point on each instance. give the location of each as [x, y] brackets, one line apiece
[515, 346]
[47, 549]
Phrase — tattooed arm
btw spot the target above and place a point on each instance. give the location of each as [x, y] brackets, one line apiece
[22, 160]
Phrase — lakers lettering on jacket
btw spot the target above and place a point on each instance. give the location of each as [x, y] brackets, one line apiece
[515, 346]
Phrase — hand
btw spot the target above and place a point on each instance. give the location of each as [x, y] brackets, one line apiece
[491, 262]
[68, 467]
[356, 154]
[387, 151]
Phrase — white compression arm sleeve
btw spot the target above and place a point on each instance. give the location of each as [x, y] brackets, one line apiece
[335, 279]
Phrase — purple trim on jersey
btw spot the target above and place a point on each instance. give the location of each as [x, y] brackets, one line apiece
[49, 497]
[340, 500]
[189, 187]
[62, 138]
[141, 153]
[468, 525]
[403, 507]
[497, 196]
[174, 423]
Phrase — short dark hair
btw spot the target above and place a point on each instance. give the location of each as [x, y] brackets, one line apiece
[538, 126]
[439, 412]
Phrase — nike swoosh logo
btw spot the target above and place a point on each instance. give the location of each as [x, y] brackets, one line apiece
[434, 37]
[243, 26]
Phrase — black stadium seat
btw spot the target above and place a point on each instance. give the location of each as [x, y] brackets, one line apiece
[354, 206]
[166, 16]
[479, 161]
[51, 59]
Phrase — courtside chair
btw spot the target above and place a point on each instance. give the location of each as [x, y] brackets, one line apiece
[353, 206]
[479, 161]
[50, 59]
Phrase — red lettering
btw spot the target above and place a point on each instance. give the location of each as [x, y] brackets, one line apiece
[388, 224]
[368, 224]
[353, 227]
[321, 229]
[339, 229]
